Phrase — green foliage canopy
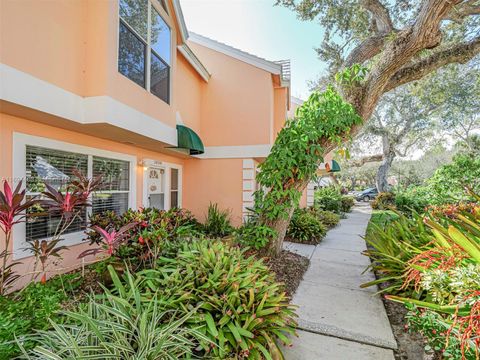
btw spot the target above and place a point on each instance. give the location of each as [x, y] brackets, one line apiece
[324, 118]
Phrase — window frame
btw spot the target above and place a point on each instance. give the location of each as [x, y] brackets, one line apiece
[148, 52]
[20, 143]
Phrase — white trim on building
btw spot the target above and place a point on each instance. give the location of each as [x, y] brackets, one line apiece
[190, 56]
[310, 193]
[24, 89]
[236, 152]
[248, 180]
[20, 142]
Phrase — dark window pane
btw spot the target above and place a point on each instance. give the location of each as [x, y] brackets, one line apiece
[135, 13]
[160, 37]
[131, 56]
[174, 199]
[159, 78]
[174, 179]
[115, 173]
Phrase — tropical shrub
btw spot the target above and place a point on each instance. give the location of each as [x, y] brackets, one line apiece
[254, 235]
[327, 218]
[174, 222]
[432, 326]
[217, 223]
[384, 201]
[412, 199]
[347, 203]
[116, 326]
[32, 308]
[239, 306]
[329, 199]
[393, 240]
[448, 183]
[141, 236]
[305, 227]
[437, 270]
[12, 209]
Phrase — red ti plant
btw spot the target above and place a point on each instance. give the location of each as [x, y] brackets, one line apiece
[42, 250]
[70, 205]
[112, 239]
[12, 208]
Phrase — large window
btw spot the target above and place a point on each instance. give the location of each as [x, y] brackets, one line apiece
[144, 52]
[56, 167]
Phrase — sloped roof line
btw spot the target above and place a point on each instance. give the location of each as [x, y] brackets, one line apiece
[264, 64]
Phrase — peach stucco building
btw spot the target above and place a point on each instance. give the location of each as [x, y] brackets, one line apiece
[120, 88]
[108, 86]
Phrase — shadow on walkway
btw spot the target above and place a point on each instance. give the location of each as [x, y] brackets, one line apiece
[338, 319]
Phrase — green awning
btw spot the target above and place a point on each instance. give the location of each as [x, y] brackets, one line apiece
[188, 139]
[335, 167]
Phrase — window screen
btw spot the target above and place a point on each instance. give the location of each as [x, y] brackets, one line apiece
[56, 168]
[113, 195]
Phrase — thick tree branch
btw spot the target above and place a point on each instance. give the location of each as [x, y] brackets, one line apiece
[380, 14]
[367, 159]
[366, 50]
[372, 46]
[468, 8]
[460, 53]
[423, 34]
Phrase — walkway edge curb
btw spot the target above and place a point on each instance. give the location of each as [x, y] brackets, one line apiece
[328, 330]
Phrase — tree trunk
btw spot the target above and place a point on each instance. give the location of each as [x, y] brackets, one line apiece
[280, 225]
[383, 170]
[353, 179]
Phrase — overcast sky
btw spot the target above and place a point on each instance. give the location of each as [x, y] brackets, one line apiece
[258, 27]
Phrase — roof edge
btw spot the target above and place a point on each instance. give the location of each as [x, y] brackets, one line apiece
[238, 54]
[181, 20]
[190, 56]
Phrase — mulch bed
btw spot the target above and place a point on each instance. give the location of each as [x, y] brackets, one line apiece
[289, 269]
[410, 345]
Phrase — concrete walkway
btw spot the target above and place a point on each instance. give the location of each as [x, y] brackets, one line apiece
[337, 319]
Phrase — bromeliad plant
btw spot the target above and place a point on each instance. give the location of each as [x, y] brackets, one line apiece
[241, 309]
[12, 211]
[306, 228]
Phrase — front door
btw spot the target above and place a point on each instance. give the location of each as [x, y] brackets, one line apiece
[156, 187]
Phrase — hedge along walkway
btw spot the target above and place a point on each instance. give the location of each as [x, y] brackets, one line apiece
[337, 319]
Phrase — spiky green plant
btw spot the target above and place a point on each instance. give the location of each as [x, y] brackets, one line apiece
[217, 223]
[392, 245]
[242, 310]
[118, 326]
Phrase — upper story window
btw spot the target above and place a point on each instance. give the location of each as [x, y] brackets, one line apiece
[144, 52]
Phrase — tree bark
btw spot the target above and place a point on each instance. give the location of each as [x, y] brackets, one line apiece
[383, 170]
[280, 225]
